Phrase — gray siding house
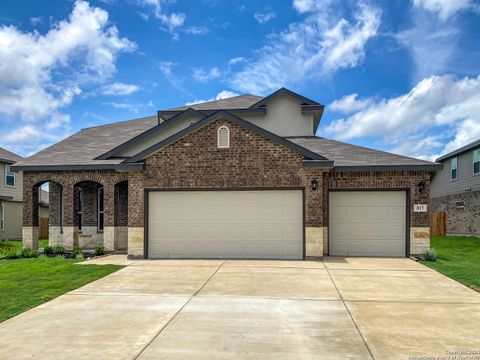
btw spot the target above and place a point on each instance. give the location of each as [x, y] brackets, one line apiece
[11, 197]
[456, 190]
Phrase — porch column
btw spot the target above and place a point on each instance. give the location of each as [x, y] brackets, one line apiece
[30, 216]
[69, 232]
[55, 234]
[110, 236]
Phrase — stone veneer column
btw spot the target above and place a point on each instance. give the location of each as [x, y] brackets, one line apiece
[69, 229]
[419, 240]
[109, 233]
[136, 241]
[314, 239]
[55, 234]
[30, 229]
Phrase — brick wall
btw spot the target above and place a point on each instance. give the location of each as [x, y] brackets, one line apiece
[460, 220]
[252, 161]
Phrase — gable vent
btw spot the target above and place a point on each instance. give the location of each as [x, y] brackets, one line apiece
[223, 137]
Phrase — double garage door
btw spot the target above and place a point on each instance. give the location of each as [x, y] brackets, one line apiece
[270, 224]
[226, 224]
[367, 223]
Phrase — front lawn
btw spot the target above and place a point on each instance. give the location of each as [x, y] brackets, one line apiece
[458, 258]
[26, 283]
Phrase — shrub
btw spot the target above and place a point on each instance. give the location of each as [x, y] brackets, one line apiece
[9, 253]
[58, 250]
[77, 252]
[100, 251]
[29, 253]
[429, 255]
[48, 251]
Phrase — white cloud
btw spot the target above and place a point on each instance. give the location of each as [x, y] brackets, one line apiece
[438, 110]
[119, 89]
[349, 104]
[130, 106]
[224, 94]
[319, 45]
[36, 20]
[170, 21]
[432, 44]
[236, 60]
[196, 30]
[42, 73]
[264, 17]
[203, 75]
[166, 67]
[446, 8]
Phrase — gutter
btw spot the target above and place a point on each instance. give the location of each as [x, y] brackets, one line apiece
[117, 167]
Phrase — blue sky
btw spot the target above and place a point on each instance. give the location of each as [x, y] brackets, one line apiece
[401, 76]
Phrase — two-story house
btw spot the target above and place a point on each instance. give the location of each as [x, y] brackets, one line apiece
[11, 197]
[243, 177]
[456, 190]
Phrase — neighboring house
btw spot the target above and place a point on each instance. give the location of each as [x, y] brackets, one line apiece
[456, 190]
[11, 197]
[243, 177]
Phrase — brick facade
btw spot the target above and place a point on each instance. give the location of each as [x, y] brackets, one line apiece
[195, 162]
[462, 212]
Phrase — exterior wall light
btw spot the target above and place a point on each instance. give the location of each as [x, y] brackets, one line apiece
[314, 183]
[421, 186]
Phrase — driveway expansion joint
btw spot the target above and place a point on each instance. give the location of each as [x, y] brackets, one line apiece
[178, 312]
[351, 316]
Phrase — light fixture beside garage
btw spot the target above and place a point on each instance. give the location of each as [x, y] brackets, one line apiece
[314, 183]
[421, 186]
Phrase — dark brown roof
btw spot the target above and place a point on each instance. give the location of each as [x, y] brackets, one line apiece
[346, 155]
[236, 102]
[8, 156]
[468, 147]
[84, 146]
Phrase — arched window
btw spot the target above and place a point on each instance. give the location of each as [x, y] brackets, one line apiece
[223, 137]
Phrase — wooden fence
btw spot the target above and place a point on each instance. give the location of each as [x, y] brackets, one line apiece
[438, 223]
[43, 228]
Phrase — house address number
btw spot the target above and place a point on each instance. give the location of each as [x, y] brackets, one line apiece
[420, 208]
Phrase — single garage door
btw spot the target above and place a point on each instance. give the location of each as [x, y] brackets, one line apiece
[367, 223]
[226, 224]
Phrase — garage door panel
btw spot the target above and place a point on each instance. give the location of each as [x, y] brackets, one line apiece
[367, 223]
[236, 224]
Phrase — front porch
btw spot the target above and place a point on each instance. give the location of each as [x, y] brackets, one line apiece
[87, 209]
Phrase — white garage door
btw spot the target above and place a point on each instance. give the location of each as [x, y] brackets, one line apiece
[226, 224]
[367, 223]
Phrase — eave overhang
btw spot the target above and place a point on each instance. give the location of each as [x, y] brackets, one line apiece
[118, 167]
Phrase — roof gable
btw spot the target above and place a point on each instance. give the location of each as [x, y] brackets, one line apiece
[160, 127]
[235, 119]
[284, 91]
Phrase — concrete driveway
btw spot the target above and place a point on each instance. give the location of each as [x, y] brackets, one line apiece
[339, 308]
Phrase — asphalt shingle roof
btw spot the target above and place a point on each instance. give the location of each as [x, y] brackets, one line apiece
[459, 151]
[236, 102]
[84, 146]
[344, 154]
[9, 156]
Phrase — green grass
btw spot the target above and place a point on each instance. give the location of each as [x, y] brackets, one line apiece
[458, 258]
[26, 283]
[18, 244]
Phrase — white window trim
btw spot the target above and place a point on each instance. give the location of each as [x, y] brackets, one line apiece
[100, 212]
[454, 168]
[219, 145]
[7, 166]
[2, 219]
[473, 164]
